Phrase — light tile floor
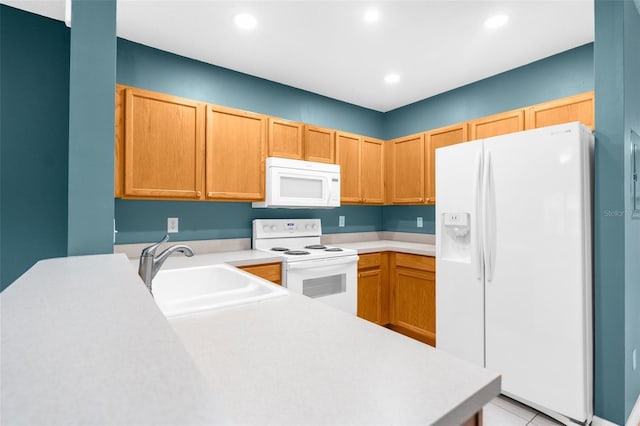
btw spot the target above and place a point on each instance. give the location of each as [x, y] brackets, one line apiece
[503, 411]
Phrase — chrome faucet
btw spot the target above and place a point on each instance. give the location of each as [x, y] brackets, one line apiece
[150, 264]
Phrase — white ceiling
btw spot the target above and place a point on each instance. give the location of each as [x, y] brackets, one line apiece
[326, 47]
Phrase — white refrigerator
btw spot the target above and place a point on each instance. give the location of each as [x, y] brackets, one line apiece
[513, 263]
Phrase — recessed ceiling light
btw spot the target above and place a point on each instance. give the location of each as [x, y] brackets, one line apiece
[372, 15]
[391, 78]
[496, 21]
[245, 21]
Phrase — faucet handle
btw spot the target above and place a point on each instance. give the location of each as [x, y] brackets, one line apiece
[151, 250]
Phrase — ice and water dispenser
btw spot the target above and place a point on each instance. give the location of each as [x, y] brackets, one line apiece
[456, 237]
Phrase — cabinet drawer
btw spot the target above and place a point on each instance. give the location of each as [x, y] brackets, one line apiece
[425, 263]
[370, 260]
[270, 272]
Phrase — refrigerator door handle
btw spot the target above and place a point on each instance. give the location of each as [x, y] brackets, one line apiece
[479, 217]
[489, 231]
[487, 211]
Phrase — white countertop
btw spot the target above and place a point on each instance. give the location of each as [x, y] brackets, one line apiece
[295, 361]
[391, 245]
[256, 257]
[235, 258]
[84, 343]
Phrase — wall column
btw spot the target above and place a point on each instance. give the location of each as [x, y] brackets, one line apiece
[92, 80]
[617, 275]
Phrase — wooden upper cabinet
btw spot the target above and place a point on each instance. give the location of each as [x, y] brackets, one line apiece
[496, 125]
[285, 139]
[235, 153]
[319, 144]
[435, 139]
[118, 178]
[573, 108]
[407, 163]
[164, 142]
[388, 172]
[348, 157]
[372, 173]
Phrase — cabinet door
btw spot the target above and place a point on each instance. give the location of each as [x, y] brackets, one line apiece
[118, 154]
[285, 139]
[408, 170]
[163, 146]
[388, 172]
[348, 157]
[319, 144]
[496, 125]
[573, 108]
[270, 271]
[370, 296]
[372, 171]
[413, 297]
[373, 288]
[235, 154]
[440, 138]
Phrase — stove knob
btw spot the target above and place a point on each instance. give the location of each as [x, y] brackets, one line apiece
[307, 226]
[273, 228]
[265, 228]
[315, 226]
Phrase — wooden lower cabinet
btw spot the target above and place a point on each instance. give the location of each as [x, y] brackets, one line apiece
[475, 420]
[373, 287]
[398, 290]
[413, 297]
[269, 271]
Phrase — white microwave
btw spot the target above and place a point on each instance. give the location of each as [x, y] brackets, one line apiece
[300, 184]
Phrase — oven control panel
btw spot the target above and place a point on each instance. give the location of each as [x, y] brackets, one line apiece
[278, 228]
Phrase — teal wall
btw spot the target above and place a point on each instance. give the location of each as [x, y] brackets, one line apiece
[561, 75]
[617, 235]
[34, 133]
[153, 69]
[141, 66]
[403, 219]
[92, 79]
[558, 76]
[35, 77]
[632, 225]
[226, 220]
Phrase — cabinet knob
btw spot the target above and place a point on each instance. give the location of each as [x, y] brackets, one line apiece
[198, 194]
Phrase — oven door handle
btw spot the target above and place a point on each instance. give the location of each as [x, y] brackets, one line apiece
[312, 264]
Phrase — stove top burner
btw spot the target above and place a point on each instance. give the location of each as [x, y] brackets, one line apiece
[280, 249]
[296, 252]
[316, 247]
[333, 249]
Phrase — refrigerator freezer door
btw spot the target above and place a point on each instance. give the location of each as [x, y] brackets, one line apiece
[537, 320]
[459, 271]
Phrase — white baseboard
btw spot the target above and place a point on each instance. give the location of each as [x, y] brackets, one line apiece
[634, 417]
[597, 421]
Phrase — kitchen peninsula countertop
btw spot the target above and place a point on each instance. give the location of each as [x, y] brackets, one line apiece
[83, 342]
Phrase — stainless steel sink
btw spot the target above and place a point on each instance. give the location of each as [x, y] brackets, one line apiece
[189, 290]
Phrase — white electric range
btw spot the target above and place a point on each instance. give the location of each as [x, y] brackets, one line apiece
[326, 273]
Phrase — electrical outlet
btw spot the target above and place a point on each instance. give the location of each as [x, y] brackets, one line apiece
[172, 225]
[341, 221]
[634, 359]
[419, 222]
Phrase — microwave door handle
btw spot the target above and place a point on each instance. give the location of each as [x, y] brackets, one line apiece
[327, 180]
[322, 263]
